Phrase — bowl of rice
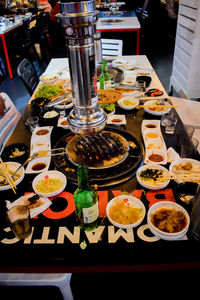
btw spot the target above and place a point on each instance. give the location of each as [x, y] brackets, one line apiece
[49, 183]
[125, 211]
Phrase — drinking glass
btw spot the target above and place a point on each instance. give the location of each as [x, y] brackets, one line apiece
[62, 110]
[19, 221]
[170, 124]
[190, 130]
[141, 85]
[195, 143]
[32, 122]
[165, 117]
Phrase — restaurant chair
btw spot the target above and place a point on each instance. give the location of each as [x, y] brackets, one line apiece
[8, 121]
[40, 35]
[111, 47]
[20, 43]
[28, 74]
[62, 281]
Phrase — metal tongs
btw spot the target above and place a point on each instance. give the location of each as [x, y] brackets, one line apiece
[36, 154]
[61, 99]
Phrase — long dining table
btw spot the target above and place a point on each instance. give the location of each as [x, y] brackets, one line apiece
[55, 242]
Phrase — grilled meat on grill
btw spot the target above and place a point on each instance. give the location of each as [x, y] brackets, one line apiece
[100, 147]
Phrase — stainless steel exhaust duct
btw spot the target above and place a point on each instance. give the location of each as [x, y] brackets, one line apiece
[79, 22]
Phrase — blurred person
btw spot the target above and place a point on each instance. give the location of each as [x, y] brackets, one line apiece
[57, 37]
[172, 8]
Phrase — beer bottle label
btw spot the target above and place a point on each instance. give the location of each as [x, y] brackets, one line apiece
[90, 214]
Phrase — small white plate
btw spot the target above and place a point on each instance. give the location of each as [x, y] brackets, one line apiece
[48, 78]
[124, 64]
[160, 152]
[45, 161]
[147, 123]
[38, 130]
[50, 174]
[156, 186]
[44, 204]
[130, 201]
[156, 113]
[128, 99]
[120, 63]
[116, 120]
[151, 135]
[194, 162]
[40, 143]
[62, 122]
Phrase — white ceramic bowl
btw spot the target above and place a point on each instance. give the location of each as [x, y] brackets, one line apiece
[48, 78]
[165, 235]
[50, 174]
[13, 166]
[129, 99]
[133, 201]
[194, 162]
[156, 186]
[120, 63]
[156, 113]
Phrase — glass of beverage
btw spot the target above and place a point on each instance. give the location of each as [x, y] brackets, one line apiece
[141, 85]
[19, 221]
[195, 143]
[190, 130]
[170, 124]
[32, 122]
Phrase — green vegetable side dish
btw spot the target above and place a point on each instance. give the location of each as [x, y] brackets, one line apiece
[108, 108]
[49, 91]
[151, 174]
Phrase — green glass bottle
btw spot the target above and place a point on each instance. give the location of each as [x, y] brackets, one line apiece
[86, 201]
[105, 79]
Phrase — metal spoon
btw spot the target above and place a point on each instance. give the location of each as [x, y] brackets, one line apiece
[24, 163]
[161, 101]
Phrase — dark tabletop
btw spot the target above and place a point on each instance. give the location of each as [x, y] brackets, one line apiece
[54, 245]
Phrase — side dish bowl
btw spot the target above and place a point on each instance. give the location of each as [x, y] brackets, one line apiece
[166, 235]
[193, 163]
[126, 202]
[17, 152]
[162, 111]
[49, 183]
[149, 183]
[128, 102]
[48, 78]
[13, 166]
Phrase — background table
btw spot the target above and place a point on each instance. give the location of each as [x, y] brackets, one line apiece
[130, 23]
[4, 31]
